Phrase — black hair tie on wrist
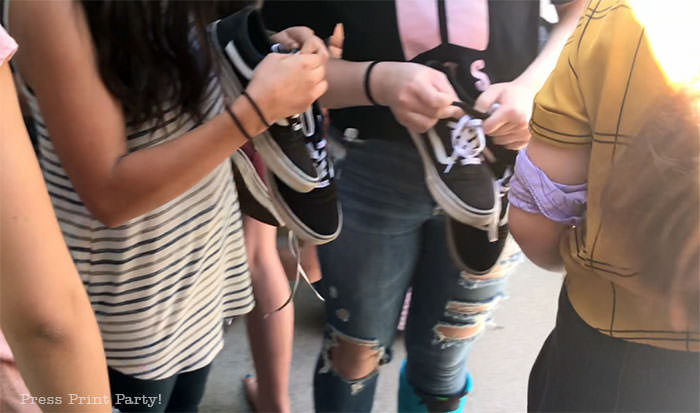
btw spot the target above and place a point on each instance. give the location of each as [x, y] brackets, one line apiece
[237, 122]
[257, 109]
[368, 92]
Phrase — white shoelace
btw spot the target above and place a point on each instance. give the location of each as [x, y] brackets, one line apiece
[296, 253]
[468, 141]
[317, 149]
[319, 154]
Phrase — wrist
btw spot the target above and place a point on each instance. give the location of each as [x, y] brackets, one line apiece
[264, 102]
[376, 83]
[529, 81]
[249, 120]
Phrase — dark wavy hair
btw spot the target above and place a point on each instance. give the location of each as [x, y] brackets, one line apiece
[154, 55]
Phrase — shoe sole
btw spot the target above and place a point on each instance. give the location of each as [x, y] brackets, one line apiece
[444, 197]
[454, 252]
[255, 184]
[293, 223]
[508, 243]
[275, 159]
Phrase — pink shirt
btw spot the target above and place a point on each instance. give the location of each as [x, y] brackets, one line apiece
[8, 46]
[419, 24]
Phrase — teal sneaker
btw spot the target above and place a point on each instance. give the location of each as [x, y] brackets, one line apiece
[410, 401]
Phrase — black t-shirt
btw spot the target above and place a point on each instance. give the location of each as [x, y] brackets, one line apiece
[488, 41]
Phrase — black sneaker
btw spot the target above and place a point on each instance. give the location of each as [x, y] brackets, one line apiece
[240, 42]
[476, 250]
[314, 217]
[455, 172]
[253, 194]
[473, 249]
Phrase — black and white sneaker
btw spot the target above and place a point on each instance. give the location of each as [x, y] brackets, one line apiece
[473, 249]
[314, 217]
[253, 194]
[455, 172]
[240, 42]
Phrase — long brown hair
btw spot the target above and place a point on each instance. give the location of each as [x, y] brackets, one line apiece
[153, 55]
[653, 199]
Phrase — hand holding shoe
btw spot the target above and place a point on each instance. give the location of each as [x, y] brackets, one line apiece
[303, 39]
[508, 124]
[287, 84]
[418, 95]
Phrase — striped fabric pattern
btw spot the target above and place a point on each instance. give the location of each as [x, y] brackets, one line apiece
[160, 284]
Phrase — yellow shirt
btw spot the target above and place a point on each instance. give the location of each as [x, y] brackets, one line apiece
[606, 79]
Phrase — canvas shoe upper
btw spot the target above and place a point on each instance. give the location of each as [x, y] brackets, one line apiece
[314, 217]
[240, 43]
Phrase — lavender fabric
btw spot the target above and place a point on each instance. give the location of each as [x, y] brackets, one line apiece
[532, 191]
[7, 46]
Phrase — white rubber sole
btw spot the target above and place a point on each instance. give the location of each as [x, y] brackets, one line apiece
[273, 156]
[448, 200]
[294, 224]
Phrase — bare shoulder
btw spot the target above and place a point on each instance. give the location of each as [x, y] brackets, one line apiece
[49, 33]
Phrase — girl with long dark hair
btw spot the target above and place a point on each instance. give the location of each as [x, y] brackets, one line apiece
[134, 146]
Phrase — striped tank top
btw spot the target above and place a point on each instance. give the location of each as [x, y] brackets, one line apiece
[162, 283]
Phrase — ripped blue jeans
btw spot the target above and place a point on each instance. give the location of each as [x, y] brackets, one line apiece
[393, 238]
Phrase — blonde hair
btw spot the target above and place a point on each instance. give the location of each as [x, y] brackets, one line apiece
[653, 200]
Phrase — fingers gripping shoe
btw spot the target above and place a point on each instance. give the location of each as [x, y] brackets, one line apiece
[240, 43]
[314, 217]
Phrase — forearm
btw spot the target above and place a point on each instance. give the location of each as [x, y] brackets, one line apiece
[63, 357]
[143, 180]
[44, 312]
[538, 237]
[538, 71]
[345, 84]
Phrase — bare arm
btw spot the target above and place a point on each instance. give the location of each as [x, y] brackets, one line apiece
[87, 125]
[416, 94]
[508, 125]
[538, 71]
[538, 236]
[46, 316]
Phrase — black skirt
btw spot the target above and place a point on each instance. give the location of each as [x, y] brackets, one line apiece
[580, 369]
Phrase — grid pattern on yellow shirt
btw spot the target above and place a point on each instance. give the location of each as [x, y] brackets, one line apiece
[599, 95]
